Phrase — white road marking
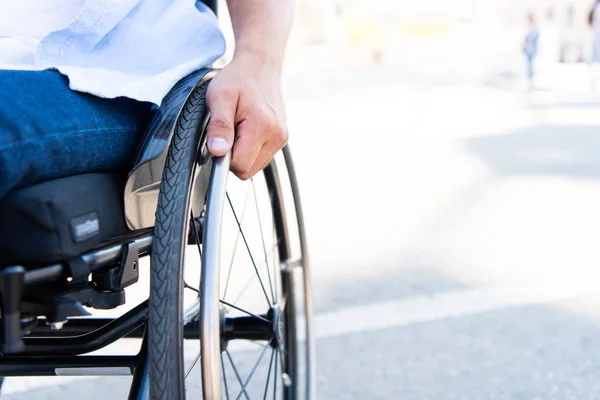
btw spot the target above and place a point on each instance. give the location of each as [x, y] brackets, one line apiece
[420, 309]
[399, 313]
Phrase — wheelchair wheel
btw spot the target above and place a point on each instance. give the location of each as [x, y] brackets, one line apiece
[230, 300]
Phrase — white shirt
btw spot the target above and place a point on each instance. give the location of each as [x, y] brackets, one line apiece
[110, 48]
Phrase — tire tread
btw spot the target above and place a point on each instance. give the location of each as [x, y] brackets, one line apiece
[170, 235]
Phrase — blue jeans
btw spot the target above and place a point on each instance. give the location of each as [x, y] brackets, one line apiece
[48, 131]
[530, 72]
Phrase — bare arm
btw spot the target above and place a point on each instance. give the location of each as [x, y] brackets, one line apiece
[245, 97]
[261, 28]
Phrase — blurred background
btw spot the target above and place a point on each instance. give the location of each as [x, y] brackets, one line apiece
[451, 195]
[452, 202]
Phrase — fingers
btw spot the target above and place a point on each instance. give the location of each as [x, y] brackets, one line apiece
[221, 127]
[263, 158]
[246, 149]
[247, 116]
[259, 137]
[267, 153]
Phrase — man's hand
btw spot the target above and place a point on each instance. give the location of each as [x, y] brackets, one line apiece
[244, 99]
[247, 113]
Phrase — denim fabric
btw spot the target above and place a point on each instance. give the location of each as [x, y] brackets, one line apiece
[530, 71]
[48, 131]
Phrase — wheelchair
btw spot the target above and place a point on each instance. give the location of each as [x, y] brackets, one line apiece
[228, 269]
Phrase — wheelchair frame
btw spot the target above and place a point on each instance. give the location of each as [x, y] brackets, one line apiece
[44, 347]
[47, 346]
[47, 351]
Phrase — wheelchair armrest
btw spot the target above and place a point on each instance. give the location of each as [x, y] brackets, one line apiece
[143, 182]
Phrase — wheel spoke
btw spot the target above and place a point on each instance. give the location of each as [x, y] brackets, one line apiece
[247, 284]
[248, 248]
[262, 238]
[192, 366]
[187, 286]
[269, 374]
[245, 311]
[224, 377]
[237, 237]
[262, 354]
[237, 374]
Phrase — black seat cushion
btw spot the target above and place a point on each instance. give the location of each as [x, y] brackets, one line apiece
[63, 218]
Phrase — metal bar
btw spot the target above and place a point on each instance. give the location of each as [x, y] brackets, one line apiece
[111, 332]
[96, 260]
[43, 275]
[76, 327]
[80, 326]
[110, 255]
[210, 341]
[58, 365]
[140, 385]
[308, 298]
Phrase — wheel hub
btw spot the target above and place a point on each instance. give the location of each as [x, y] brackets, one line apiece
[267, 327]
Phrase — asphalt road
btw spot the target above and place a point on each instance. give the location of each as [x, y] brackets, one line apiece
[454, 235]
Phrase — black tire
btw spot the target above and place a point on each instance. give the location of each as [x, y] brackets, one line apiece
[165, 325]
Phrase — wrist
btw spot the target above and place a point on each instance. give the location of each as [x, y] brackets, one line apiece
[260, 58]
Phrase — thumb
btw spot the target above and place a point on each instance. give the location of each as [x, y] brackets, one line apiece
[221, 129]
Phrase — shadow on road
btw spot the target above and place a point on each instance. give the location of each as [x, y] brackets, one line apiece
[562, 150]
[400, 279]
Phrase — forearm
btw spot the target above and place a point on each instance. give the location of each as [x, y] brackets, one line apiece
[261, 28]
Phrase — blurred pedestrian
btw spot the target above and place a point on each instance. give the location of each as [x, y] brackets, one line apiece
[549, 48]
[530, 45]
[571, 48]
[594, 20]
